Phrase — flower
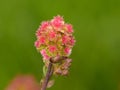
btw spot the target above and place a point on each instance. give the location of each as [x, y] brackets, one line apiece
[72, 41]
[67, 51]
[55, 37]
[69, 28]
[52, 34]
[57, 21]
[37, 44]
[52, 48]
[65, 39]
[44, 54]
[23, 82]
[44, 25]
[41, 40]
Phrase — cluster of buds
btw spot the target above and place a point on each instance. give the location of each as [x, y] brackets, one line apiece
[54, 41]
[61, 65]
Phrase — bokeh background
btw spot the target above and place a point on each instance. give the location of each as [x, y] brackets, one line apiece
[96, 55]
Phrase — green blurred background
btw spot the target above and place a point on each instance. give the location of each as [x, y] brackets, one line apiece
[96, 55]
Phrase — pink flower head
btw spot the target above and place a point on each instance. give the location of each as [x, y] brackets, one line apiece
[38, 33]
[72, 41]
[69, 28]
[65, 39]
[44, 25]
[67, 51]
[37, 44]
[52, 34]
[46, 57]
[54, 38]
[42, 40]
[52, 48]
[44, 54]
[57, 21]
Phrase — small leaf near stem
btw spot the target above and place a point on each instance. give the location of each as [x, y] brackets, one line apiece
[44, 70]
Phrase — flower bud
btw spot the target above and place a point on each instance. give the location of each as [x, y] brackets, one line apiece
[65, 72]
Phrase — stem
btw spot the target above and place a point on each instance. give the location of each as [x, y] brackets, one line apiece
[47, 77]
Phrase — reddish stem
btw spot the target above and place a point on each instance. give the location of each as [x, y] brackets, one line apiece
[47, 77]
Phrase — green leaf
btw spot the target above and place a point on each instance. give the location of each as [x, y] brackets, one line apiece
[44, 70]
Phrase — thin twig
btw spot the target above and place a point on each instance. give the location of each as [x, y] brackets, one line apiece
[47, 78]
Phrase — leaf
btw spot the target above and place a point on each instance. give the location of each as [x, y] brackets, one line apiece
[44, 70]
